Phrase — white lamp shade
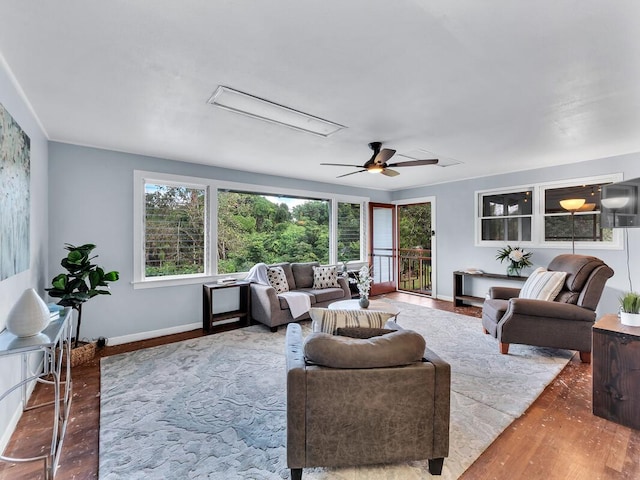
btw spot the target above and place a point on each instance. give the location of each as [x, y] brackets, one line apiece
[572, 204]
[615, 202]
[29, 316]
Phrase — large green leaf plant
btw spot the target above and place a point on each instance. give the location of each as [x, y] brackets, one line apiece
[83, 281]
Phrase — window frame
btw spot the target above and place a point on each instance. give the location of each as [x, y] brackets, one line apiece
[212, 187]
[140, 280]
[480, 217]
[538, 215]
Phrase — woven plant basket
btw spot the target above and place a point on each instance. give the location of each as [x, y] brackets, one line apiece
[83, 353]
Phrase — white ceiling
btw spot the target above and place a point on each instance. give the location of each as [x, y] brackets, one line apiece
[499, 85]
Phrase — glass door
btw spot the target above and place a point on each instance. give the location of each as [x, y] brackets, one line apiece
[382, 248]
[415, 248]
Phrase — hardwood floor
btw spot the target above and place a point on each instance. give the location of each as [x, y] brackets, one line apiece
[557, 438]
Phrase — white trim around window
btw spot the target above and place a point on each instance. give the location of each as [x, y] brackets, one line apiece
[140, 178]
[538, 215]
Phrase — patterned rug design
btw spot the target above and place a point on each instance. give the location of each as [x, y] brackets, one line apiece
[214, 407]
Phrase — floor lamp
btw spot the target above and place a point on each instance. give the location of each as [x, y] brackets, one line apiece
[614, 204]
[572, 205]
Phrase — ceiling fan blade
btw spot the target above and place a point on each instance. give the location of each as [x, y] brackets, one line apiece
[342, 165]
[414, 163]
[347, 174]
[384, 155]
[389, 173]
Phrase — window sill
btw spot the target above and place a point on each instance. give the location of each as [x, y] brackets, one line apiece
[176, 282]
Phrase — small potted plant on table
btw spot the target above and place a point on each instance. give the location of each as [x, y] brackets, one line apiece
[630, 309]
[83, 281]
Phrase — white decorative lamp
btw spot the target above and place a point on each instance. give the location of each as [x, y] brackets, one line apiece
[29, 316]
[572, 205]
[614, 204]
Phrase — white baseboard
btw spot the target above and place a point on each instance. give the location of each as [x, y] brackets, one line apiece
[136, 337]
[17, 414]
[13, 422]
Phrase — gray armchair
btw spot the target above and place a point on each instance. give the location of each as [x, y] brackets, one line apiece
[348, 414]
[566, 322]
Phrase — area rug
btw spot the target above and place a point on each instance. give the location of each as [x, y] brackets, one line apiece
[214, 407]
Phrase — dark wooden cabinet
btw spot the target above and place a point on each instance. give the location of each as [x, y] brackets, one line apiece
[243, 313]
[616, 371]
[459, 297]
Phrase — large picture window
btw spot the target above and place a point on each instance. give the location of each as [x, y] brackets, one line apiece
[254, 227]
[188, 229]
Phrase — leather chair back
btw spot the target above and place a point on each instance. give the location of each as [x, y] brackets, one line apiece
[586, 277]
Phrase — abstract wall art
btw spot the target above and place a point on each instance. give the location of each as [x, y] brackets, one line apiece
[15, 172]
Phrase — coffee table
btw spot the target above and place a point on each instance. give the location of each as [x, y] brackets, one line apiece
[378, 305]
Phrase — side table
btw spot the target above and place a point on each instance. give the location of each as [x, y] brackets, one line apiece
[459, 297]
[243, 313]
[615, 359]
[51, 342]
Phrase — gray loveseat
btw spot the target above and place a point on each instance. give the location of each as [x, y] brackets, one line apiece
[270, 309]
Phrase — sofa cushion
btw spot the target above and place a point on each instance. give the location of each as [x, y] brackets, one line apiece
[278, 279]
[543, 285]
[303, 273]
[494, 308]
[328, 321]
[325, 294]
[401, 347]
[325, 277]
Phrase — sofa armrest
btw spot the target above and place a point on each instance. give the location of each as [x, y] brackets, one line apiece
[344, 283]
[264, 302]
[503, 293]
[442, 407]
[543, 308]
[296, 397]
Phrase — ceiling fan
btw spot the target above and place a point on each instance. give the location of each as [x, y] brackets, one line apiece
[378, 162]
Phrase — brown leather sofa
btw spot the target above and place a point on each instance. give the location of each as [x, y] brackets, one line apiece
[349, 414]
[566, 322]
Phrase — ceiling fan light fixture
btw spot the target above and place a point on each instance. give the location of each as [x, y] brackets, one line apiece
[375, 169]
[256, 107]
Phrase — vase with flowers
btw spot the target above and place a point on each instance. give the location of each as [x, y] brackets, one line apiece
[363, 282]
[517, 258]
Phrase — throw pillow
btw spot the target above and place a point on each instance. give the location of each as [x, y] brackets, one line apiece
[328, 321]
[278, 279]
[325, 277]
[543, 285]
[401, 347]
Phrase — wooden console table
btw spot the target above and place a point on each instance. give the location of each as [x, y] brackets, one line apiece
[459, 298]
[51, 342]
[615, 359]
[243, 313]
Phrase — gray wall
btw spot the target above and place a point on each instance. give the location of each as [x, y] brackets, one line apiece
[36, 276]
[455, 226]
[91, 201]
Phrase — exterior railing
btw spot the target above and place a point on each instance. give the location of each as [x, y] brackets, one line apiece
[415, 270]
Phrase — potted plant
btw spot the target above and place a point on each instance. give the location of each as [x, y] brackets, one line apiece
[83, 281]
[363, 281]
[630, 309]
[517, 259]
